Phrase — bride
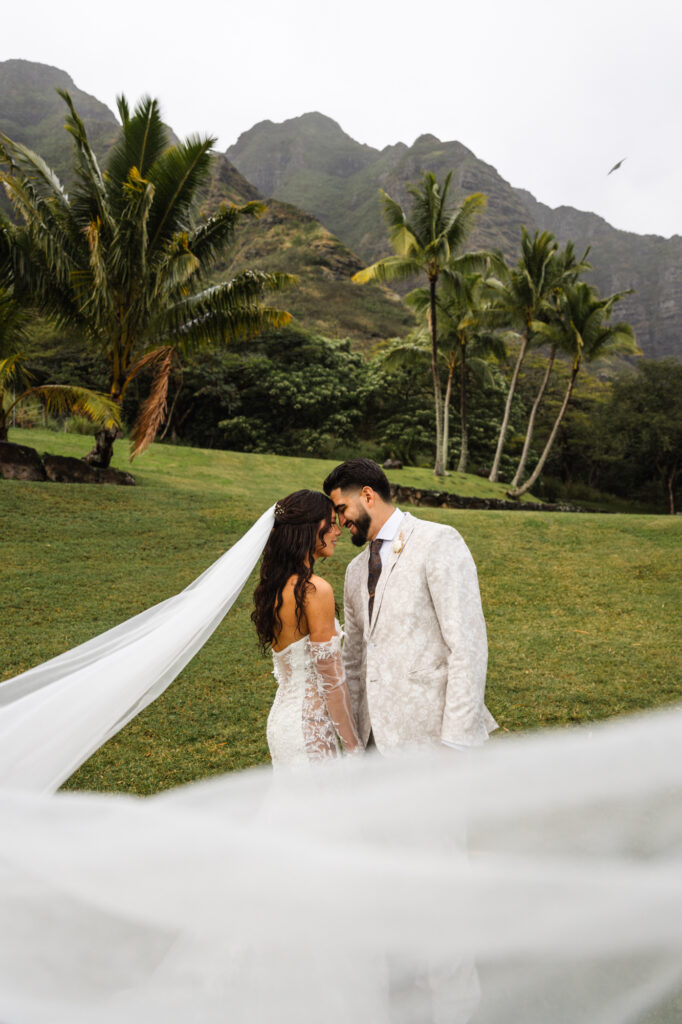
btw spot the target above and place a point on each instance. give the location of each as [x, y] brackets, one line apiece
[294, 615]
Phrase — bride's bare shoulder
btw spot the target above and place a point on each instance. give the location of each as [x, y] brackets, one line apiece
[319, 590]
[321, 585]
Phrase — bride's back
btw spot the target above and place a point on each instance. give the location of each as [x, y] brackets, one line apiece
[293, 628]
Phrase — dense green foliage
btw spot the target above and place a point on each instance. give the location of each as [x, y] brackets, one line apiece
[390, 414]
[291, 392]
[581, 610]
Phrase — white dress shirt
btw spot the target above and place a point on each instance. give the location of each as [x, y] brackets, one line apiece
[387, 534]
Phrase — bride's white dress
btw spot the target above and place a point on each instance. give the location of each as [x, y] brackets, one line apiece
[311, 711]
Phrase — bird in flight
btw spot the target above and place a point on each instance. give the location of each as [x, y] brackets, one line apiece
[616, 166]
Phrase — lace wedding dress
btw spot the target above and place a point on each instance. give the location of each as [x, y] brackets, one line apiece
[311, 711]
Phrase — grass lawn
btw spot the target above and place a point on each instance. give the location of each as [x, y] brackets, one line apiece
[582, 610]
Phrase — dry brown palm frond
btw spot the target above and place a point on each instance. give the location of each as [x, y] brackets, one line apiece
[153, 410]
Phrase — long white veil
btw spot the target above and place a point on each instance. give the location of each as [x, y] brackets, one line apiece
[53, 717]
[536, 880]
[363, 890]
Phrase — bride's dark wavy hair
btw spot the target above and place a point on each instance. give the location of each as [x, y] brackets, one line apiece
[301, 519]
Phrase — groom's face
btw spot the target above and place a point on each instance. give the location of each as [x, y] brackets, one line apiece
[353, 510]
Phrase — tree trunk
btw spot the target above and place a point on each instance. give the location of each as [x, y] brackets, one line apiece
[446, 418]
[439, 468]
[671, 490]
[518, 491]
[3, 425]
[531, 421]
[101, 454]
[494, 472]
[464, 448]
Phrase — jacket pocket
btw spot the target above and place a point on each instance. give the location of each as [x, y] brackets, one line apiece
[431, 671]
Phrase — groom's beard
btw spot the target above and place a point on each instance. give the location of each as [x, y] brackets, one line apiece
[362, 525]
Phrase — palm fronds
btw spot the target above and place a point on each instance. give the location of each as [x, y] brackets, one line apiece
[67, 399]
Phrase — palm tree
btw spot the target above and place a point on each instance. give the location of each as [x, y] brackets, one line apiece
[581, 328]
[523, 294]
[124, 258]
[460, 301]
[567, 268]
[424, 242]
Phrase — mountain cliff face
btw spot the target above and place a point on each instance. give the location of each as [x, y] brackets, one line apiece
[32, 113]
[311, 162]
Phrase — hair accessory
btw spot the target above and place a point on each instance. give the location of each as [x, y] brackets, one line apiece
[279, 511]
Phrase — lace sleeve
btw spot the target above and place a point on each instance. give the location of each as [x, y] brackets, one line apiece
[326, 657]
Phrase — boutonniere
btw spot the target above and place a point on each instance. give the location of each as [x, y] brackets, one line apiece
[398, 543]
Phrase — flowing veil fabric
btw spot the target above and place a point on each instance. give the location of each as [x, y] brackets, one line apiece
[53, 717]
[537, 879]
[361, 890]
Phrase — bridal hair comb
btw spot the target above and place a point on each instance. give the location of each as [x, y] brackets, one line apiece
[280, 511]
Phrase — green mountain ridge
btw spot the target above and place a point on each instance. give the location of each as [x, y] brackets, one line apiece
[32, 113]
[312, 162]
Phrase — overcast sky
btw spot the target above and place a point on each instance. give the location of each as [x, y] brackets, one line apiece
[551, 93]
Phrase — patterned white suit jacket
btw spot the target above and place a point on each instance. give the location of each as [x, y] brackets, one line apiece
[416, 673]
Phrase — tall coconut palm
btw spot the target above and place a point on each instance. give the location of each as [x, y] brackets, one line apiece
[461, 301]
[567, 269]
[523, 294]
[580, 328]
[124, 258]
[425, 241]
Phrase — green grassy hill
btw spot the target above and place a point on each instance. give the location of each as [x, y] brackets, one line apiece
[581, 609]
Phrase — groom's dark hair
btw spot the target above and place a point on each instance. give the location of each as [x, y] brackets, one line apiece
[358, 473]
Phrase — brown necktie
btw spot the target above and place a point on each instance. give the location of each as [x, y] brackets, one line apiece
[374, 571]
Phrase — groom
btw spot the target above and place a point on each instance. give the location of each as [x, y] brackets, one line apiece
[415, 649]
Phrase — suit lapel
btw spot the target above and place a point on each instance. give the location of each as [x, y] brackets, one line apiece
[364, 592]
[405, 530]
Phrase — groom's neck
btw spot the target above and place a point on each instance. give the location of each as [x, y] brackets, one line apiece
[381, 513]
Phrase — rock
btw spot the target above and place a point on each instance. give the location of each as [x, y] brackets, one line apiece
[18, 462]
[115, 476]
[392, 464]
[447, 499]
[62, 469]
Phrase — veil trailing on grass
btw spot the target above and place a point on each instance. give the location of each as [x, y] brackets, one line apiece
[53, 717]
